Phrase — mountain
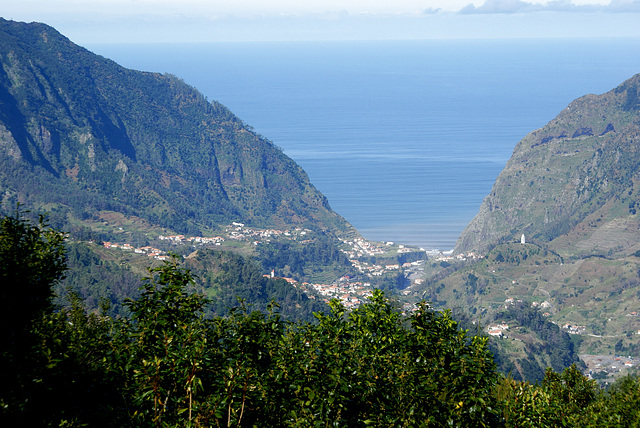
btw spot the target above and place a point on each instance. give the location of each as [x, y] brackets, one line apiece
[572, 185]
[81, 136]
[572, 188]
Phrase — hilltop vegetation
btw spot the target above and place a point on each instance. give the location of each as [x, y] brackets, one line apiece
[105, 282]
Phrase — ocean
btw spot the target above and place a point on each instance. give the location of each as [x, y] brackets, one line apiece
[405, 138]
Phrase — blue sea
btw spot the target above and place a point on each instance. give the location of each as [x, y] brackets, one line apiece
[405, 138]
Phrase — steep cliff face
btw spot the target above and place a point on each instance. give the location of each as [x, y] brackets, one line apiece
[77, 129]
[574, 181]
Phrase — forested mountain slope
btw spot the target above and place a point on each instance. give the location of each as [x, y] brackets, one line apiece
[80, 133]
[572, 188]
[573, 184]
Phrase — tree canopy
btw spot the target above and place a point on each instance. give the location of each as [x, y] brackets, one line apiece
[167, 365]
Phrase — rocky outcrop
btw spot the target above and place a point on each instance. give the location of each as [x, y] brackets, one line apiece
[585, 160]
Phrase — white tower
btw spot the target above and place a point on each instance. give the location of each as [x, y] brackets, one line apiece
[522, 240]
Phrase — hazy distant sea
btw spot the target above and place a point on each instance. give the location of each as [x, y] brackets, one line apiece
[405, 138]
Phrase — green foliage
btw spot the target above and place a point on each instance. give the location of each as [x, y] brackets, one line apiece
[226, 277]
[297, 260]
[248, 368]
[367, 368]
[165, 344]
[96, 280]
[571, 389]
[169, 366]
[618, 407]
[632, 101]
[31, 259]
[72, 384]
[526, 406]
[44, 379]
[555, 344]
[562, 399]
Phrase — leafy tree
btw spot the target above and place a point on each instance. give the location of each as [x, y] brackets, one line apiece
[31, 260]
[572, 390]
[561, 399]
[525, 405]
[369, 368]
[73, 383]
[165, 343]
[619, 406]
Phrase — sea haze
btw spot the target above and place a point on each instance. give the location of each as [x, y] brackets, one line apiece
[405, 138]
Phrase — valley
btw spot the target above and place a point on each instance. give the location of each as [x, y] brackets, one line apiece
[137, 165]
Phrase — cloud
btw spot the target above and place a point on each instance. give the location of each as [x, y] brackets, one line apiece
[431, 11]
[623, 6]
[501, 6]
[520, 6]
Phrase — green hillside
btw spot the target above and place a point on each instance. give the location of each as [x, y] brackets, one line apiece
[573, 184]
[81, 136]
[571, 188]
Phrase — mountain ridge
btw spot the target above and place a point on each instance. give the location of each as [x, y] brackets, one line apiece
[562, 172]
[103, 137]
[559, 236]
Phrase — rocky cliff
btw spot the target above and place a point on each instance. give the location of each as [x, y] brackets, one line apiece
[572, 184]
[83, 134]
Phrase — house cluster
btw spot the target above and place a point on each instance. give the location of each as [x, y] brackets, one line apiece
[372, 270]
[511, 301]
[175, 239]
[574, 329]
[350, 294]
[448, 256]
[543, 305]
[497, 330]
[360, 248]
[149, 251]
[609, 364]
[239, 232]
[181, 239]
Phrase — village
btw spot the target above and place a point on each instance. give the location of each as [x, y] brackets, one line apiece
[371, 260]
[350, 290]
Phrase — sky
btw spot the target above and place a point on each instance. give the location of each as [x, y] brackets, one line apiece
[117, 21]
